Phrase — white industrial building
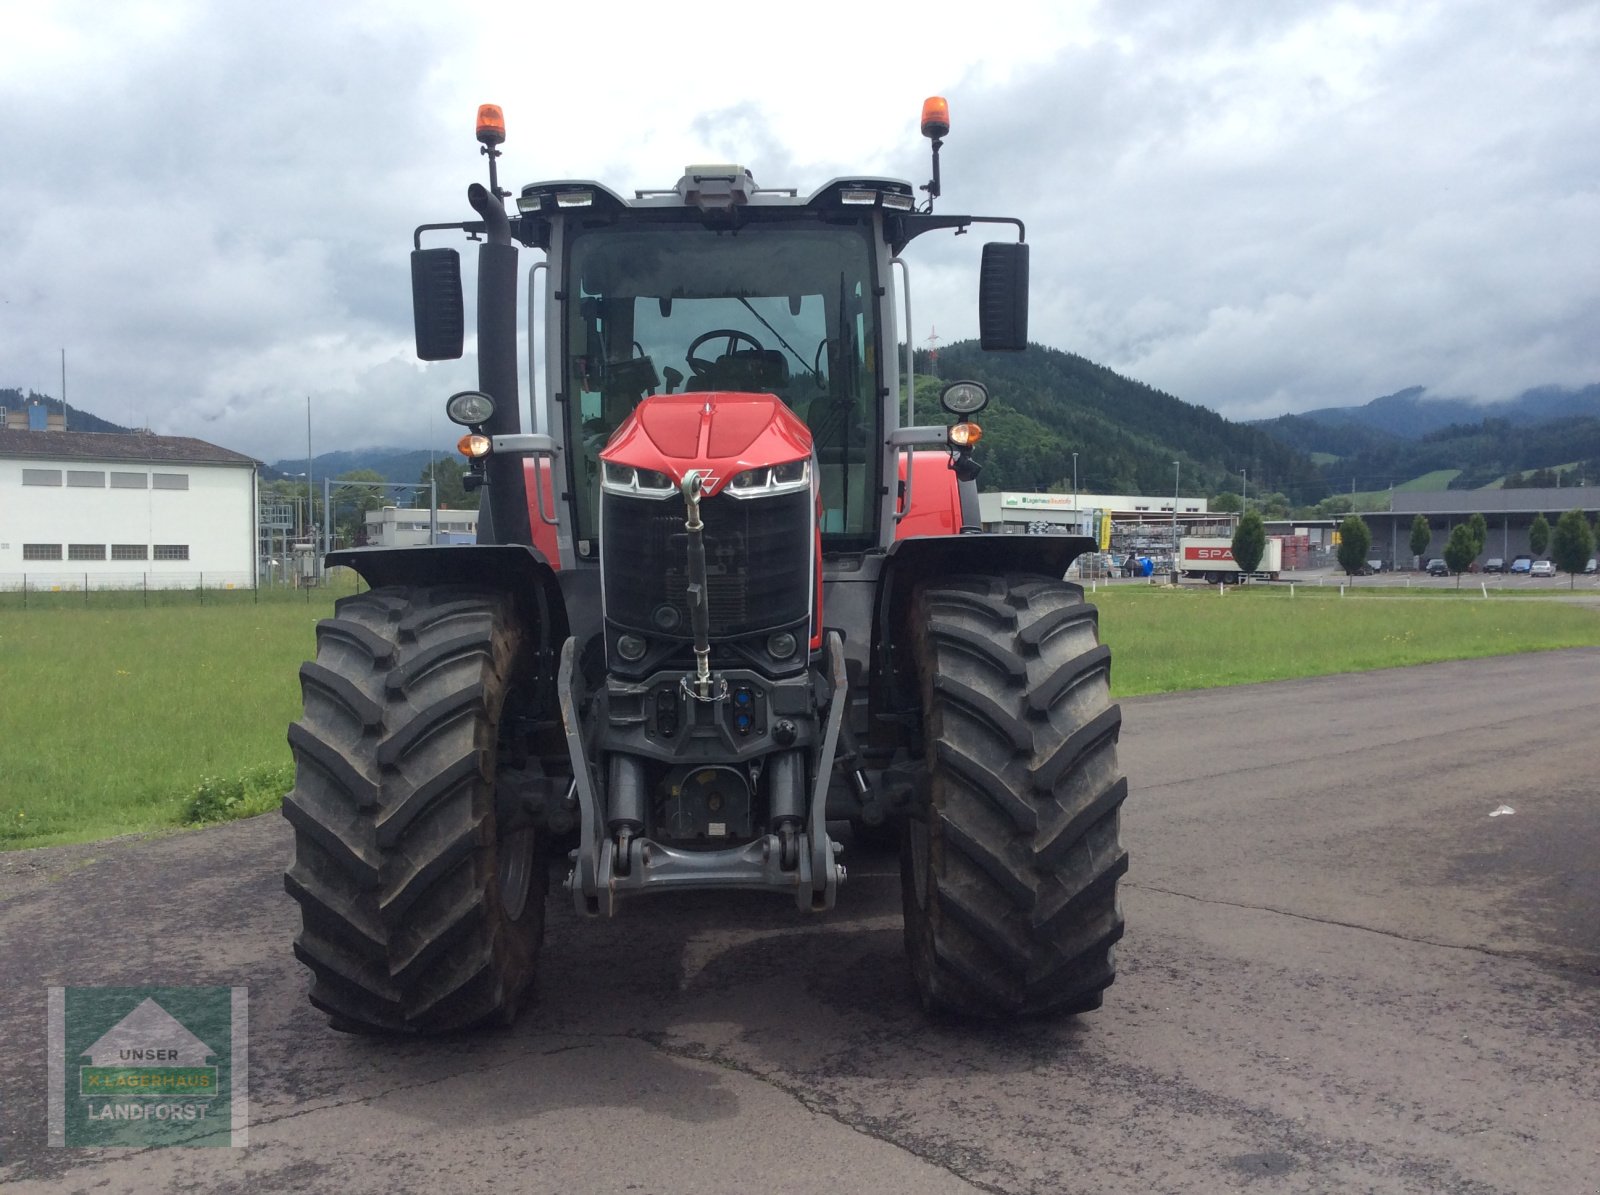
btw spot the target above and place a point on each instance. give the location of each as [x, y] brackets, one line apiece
[1018, 513]
[102, 511]
[408, 526]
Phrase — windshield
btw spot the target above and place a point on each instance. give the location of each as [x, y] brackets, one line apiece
[776, 309]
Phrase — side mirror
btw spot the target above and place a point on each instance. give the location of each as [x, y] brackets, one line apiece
[1003, 297]
[436, 304]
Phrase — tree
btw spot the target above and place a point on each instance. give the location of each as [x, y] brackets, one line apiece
[1479, 526]
[1539, 534]
[1249, 543]
[1273, 505]
[1226, 503]
[351, 503]
[452, 491]
[1460, 550]
[1572, 545]
[1421, 536]
[1355, 537]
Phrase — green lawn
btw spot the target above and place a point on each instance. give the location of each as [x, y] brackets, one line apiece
[1164, 639]
[115, 718]
[119, 720]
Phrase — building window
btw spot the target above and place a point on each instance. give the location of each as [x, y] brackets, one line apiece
[130, 481]
[41, 551]
[86, 551]
[171, 551]
[129, 552]
[41, 477]
[86, 479]
[169, 481]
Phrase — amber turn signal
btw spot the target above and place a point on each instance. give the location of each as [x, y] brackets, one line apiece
[473, 446]
[492, 124]
[935, 117]
[965, 435]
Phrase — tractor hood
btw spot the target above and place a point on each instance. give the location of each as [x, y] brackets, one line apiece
[720, 433]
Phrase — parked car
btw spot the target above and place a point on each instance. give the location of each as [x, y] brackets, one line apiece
[1542, 568]
[1522, 564]
[1374, 566]
[1589, 568]
[1494, 565]
[1438, 568]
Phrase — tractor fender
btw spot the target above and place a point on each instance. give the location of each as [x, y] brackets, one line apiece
[910, 561]
[516, 569]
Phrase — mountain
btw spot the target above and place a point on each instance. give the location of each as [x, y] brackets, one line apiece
[1411, 414]
[392, 464]
[1406, 435]
[1047, 405]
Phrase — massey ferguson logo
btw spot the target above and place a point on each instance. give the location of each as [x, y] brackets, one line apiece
[1208, 553]
[709, 482]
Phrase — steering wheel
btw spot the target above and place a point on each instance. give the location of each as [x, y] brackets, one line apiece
[700, 365]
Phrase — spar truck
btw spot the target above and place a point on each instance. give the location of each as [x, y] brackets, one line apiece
[725, 600]
[1211, 559]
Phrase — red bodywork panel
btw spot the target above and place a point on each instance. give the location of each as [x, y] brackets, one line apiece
[935, 497]
[536, 472]
[720, 433]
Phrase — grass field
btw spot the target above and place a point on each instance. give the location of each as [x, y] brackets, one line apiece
[119, 720]
[1164, 639]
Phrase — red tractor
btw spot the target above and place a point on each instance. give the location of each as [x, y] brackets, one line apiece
[728, 597]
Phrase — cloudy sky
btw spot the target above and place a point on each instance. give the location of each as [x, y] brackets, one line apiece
[1261, 207]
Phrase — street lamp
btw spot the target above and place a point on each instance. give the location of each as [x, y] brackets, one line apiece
[1075, 518]
[1175, 471]
[1244, 491]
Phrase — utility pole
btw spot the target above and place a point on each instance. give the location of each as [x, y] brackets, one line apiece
[64, 390]
[1175, 473]
[1075, 520]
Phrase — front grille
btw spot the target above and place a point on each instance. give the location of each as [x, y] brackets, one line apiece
[758, 562]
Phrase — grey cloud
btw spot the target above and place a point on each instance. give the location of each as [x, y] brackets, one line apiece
[1261, 207]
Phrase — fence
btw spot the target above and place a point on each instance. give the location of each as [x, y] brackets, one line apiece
[58, 589]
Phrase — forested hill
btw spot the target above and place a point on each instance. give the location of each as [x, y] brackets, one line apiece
[1047, 404]
[78, 420]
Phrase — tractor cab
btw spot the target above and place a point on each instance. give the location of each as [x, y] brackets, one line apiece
[776, 301]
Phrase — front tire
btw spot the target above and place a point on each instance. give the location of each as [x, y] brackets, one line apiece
[419, 914]
[1009, 876]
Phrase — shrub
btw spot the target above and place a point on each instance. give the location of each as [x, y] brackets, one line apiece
[252, 791]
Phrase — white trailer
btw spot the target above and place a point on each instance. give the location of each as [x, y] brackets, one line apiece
[1212, 559]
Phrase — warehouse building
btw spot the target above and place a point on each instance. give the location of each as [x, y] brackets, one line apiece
[1509, 514]
[408, 526]
[1068, 514]
[104, 511]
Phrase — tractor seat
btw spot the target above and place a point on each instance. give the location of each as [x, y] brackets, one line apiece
[757, 371]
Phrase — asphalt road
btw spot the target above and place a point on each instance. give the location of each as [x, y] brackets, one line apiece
[1341, 974]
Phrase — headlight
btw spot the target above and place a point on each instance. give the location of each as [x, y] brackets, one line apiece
[964, 398]
[771, 479]
[625, 479]
[469, 408]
